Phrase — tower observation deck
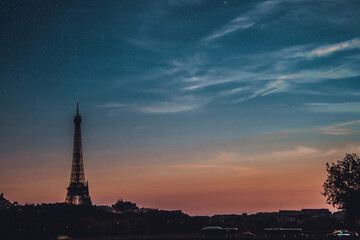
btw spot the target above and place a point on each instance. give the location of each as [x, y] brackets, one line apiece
[78, 190]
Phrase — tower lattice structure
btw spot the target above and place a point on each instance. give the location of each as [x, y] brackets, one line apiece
[78, 190]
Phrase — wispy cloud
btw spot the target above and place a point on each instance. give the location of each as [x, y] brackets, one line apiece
[271, 87]
[275, 84]
[174, 105]
[299, 151]
[316, 76]
[341, 129]
[243, 21]
[189, 65]
[309, 51]
[294, 154]
[225, 75]
[167, 107]
[235, 90]
[292, 76]
[234, 25]
[334, 107]
[272, 91]
[325, 50]
[210, 80]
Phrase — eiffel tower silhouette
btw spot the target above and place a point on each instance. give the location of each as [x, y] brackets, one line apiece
[78, 190]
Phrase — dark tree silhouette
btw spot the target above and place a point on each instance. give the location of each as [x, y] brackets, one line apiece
[342, 186]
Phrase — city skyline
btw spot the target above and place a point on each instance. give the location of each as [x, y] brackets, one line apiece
[211, 107]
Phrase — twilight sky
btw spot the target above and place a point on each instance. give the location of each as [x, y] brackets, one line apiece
[205, 106]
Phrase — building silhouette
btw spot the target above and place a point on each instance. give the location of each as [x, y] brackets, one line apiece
[78, 190]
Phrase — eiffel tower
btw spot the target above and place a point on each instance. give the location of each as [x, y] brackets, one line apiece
[78, 190]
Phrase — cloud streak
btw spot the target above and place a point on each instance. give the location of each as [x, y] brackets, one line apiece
[329, 49]
[234, 25]
[243, 21]
[272, 91]
[347, 107]
[341, 129]
[174, 105]
[167, 107]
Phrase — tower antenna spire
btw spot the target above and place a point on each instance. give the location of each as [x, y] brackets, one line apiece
[77, 107]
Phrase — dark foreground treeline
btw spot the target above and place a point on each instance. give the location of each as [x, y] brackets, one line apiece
[47, 221]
